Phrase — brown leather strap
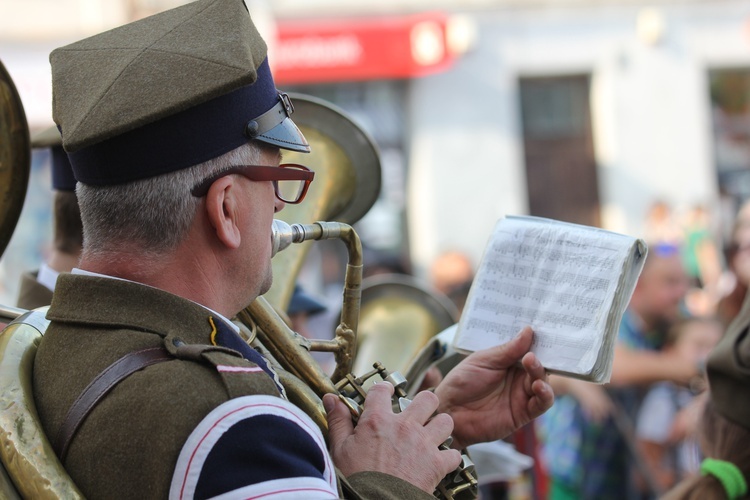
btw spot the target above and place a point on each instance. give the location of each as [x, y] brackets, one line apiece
[99, 387]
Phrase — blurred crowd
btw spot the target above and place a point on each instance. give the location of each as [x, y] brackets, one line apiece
[638, 436]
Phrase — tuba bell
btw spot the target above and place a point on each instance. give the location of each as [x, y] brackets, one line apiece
[399, 315]
[28, 466]
[347, 182]
[15, 166]
[15, 157]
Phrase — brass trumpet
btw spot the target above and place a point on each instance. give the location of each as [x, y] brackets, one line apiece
[268, 333]
[291, 352]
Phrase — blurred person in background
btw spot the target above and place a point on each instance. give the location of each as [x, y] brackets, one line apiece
[36, 287]
[377, 262]
[584, 434]
[725, 424]
[452, 274]
[660, 224]
[668, 418]
[703, 262]
[738, 263]
[302, 308]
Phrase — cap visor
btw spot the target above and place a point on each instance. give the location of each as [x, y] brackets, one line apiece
[286, 135]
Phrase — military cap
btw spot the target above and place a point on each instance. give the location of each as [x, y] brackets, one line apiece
[167, 92]
[728, 371]
[62, 172]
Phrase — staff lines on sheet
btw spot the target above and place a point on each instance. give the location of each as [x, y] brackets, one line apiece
[522, 271]
[528, 314]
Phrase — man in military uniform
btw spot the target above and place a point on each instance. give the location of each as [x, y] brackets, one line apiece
[174, 129]
[67, 238]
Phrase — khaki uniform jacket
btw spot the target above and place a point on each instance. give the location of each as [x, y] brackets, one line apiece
[129, 444]
[33, 294]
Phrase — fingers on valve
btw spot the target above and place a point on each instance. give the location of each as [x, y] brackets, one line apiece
[423, 406]
[440, 427]
[450, 460]
[379, 396]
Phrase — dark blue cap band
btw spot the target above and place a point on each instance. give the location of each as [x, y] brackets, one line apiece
[178, 141]
[62, 172]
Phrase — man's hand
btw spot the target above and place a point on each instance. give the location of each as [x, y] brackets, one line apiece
[489, 396]
[403, 444]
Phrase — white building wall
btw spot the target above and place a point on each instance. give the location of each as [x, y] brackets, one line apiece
[650, 110]
[465, 155]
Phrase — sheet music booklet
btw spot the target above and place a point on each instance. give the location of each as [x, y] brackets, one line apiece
[570, 283]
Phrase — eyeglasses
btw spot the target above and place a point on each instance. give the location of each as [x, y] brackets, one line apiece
[290, 181]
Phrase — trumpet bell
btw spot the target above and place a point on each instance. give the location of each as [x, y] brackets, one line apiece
[347, 170]
[345, 160]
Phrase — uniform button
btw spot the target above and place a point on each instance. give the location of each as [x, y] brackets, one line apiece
[251, 129]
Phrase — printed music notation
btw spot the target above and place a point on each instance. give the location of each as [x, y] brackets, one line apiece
[572, 254]
[568, 300]
[530, 271]
[567, 346]
[570, 283]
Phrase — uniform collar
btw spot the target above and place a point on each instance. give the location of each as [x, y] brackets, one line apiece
[111, 303]
[84, 272]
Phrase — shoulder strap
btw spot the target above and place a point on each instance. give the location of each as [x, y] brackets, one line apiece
[114, 374]
[99, 387]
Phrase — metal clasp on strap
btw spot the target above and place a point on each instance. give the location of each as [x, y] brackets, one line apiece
[288, 106]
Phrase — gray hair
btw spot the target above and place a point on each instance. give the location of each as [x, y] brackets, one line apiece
[151, 214]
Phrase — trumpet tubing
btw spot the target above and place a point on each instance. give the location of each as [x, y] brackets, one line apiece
[344, 344]
[291, 352]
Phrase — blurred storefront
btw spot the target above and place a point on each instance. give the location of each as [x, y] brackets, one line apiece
[364, 65]
[581, 111]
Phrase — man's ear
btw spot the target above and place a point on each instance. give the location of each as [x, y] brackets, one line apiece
[223, 210]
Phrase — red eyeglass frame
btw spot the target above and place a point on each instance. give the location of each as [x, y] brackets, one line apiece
[262, 173]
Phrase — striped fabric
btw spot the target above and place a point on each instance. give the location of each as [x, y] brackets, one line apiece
[255, 447]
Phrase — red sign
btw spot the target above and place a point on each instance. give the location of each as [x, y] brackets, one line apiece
[333, 50]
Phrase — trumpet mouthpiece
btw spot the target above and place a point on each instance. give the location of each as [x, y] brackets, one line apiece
[282, 236]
